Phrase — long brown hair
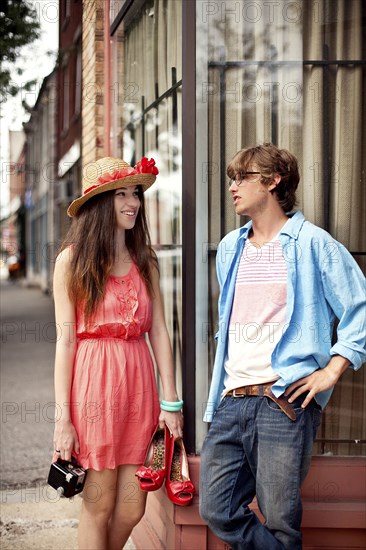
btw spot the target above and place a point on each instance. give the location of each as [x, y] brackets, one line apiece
[92, 237]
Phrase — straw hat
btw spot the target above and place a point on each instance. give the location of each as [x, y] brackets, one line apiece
[112, 173]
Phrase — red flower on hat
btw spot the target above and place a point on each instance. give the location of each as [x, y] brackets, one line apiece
[146, 166]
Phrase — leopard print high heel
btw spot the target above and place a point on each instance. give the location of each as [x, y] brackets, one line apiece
[179, 487]
[152, 473]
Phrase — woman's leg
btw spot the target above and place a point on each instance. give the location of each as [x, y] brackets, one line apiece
[99, 496]
[129, 507]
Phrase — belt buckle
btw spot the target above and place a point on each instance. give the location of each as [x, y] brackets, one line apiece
[238, 395]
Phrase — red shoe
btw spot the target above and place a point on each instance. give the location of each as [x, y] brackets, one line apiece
[179, 487]
[152, 474]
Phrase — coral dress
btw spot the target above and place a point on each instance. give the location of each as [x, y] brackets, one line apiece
[114, 400]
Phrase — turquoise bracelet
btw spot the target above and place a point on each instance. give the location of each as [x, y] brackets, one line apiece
[171, 406]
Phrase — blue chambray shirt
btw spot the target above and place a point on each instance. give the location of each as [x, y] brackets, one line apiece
[324, 282]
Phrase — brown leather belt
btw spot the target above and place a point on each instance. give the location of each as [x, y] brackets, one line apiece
[265, 390]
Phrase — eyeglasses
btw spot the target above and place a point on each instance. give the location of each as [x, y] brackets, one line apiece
[240, 177]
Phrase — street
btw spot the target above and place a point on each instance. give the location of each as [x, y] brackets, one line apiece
[27, 353]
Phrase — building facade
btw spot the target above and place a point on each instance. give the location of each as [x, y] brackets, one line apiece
[13, 226]
[53, 152]
[68, 114]
[40, 177]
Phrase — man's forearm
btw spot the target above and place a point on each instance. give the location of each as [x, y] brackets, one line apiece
[337, 366]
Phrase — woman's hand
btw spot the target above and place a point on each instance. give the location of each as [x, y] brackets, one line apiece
[174, 421]
[65, 439]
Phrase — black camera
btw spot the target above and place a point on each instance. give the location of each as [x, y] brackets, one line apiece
[68, 478]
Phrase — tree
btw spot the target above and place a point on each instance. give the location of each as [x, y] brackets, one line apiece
[19, 26]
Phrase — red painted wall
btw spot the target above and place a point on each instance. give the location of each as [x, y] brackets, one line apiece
[334, 512]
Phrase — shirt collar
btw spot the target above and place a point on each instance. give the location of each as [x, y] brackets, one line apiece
[243, 233]
[294, 224]
[291, 228]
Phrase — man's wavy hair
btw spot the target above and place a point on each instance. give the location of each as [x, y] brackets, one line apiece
[271, 161]
[92, 242]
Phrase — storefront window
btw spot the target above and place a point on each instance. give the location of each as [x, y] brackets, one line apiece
[290, 73]
[147, 119]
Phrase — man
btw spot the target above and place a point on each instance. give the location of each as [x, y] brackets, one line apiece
[282, 283]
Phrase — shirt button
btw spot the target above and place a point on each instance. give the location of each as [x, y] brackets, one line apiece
[122, 282]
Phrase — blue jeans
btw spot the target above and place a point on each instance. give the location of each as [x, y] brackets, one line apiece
[253, 449]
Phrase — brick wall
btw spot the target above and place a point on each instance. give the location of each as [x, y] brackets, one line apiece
[93, 81]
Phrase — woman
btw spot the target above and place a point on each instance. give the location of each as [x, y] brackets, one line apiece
[107, 296]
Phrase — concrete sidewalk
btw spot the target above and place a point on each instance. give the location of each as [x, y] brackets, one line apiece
[37, 518]
[29, 520]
